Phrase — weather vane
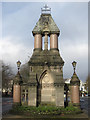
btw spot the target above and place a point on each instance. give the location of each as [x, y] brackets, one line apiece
[46, 9]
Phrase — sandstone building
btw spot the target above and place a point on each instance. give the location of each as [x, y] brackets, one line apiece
[45, 84]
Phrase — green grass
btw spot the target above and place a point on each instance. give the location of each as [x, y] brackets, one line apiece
[44, 110]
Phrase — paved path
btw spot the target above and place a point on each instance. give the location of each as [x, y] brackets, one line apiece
[84, 104]
[6, 104]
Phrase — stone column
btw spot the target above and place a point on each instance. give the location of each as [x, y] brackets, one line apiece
[75, 96]
[16, 93]
[53, 41]
[46, 42]
[32, 90]
[38, 42]
[17, 89]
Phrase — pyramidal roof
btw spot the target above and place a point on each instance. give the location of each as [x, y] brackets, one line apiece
[46, 24]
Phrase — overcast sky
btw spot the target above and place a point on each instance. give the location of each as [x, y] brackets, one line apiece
[19, 19]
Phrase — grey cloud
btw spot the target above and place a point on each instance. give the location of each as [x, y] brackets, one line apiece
[71, 18]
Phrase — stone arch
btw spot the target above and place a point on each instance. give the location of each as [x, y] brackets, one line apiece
[40, 86]
[42, 75]
[47, 90]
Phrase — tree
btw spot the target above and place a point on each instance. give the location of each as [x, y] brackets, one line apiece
[7, 77]
[24, 71]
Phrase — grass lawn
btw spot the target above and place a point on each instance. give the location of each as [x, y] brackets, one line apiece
[45, 111]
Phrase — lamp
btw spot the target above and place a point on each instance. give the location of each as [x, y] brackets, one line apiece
[74, 65]
[18, 64]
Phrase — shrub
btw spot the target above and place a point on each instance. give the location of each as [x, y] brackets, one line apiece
[50, 110]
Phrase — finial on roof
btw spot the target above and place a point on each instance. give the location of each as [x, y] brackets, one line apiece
[46, 9]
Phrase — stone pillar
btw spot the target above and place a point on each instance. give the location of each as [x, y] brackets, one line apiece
[53, 41]
[59, 96]
[17, 89]
[75, 96]
[46, 42]
[38, 42]
[32, 90]
[32, 96]
[16, 93]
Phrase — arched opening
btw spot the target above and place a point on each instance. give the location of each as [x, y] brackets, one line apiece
[46, 91]
[39, 88]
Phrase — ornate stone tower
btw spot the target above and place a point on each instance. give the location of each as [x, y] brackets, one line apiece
[45, 83]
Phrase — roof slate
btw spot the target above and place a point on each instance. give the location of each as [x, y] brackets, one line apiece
[46, 24]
